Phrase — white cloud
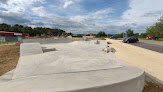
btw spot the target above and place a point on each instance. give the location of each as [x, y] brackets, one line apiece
[143, 12]
[140, 15]
[93, 17]
[17, 11]
[19, 5]
[14, 18]
[3, 1]
[38, 11]
[68, 3]
[52, 6]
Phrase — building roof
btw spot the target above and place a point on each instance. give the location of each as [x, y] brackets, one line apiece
[88, 35]
[12, 33]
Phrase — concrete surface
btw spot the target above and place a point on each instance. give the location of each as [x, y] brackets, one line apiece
[150, 45]
[74, 67]
[7, 77]
[47, 41]
[30, 49]
[67, 58]
[148, 60]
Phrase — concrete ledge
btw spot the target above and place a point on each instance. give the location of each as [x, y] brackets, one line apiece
[47, 41]
[30, 49]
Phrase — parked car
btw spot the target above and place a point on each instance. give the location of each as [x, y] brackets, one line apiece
[151, 37]
[131, 39]
[114, 37]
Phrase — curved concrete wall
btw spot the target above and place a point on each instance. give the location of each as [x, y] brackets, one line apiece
[133, 85]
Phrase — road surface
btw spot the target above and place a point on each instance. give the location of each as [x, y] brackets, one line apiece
[150, 45]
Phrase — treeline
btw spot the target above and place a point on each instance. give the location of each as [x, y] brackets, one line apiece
[157, 29]
[130, 33]
[38, 31]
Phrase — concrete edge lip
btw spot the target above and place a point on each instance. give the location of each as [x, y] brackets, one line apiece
[67, 87]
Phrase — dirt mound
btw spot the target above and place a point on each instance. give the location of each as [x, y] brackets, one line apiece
[9, 55]
[152, 87]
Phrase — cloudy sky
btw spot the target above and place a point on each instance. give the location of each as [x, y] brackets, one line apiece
[83, 16]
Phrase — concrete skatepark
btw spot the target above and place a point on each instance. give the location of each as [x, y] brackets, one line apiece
[68, 66]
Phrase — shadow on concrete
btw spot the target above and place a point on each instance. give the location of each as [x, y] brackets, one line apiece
[48, 50]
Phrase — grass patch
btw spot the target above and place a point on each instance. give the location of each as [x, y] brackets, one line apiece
[7, 42]
[99, 38]
[142, 38]
[103, 39]
[160, 39]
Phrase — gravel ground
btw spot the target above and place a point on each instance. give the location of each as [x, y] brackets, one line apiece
[9, 55]
[152, 86]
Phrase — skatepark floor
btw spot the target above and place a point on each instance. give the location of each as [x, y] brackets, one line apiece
[9, 56]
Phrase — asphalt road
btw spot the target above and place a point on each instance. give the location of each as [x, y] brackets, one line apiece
[150, 45]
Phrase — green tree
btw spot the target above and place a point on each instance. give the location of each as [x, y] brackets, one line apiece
[70, 34]
[59, 33]
[130, 32]
[17, 28]
[49, 32]
[32, 31]
[5, 27]
[143, 35]
[27, 29]
[101, 34]
[120, 35]
[152, 31]
[136, 34]
[157, 29]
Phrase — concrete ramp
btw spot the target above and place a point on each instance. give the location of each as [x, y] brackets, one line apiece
[48, 41]
[7, 77]
[74, 67]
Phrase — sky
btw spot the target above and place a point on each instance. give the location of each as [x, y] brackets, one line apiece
[83, 16]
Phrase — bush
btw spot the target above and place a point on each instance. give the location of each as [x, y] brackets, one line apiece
[120, 35]
[143, 35]
[101, 34]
